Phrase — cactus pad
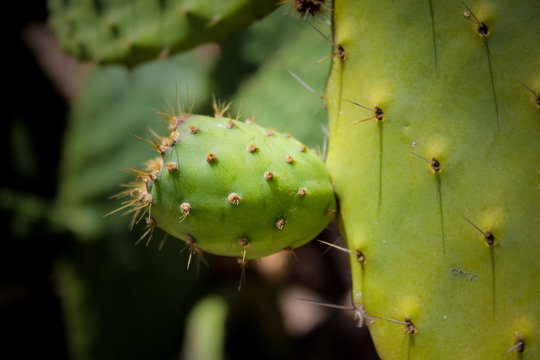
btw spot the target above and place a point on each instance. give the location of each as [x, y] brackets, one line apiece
[233, 188]
[434, 154]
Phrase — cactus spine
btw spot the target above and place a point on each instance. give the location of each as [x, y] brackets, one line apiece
[439, 187]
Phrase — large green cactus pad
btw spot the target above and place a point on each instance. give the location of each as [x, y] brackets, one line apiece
[439, 189]
[135, 31]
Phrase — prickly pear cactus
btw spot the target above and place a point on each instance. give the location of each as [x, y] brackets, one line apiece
[232, 188]
[435, 157]
[134, 31]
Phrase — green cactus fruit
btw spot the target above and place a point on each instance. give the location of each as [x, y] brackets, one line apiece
[135, 31]
[232, 188]
[435, 157]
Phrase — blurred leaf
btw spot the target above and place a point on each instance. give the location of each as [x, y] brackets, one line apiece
[205, 330]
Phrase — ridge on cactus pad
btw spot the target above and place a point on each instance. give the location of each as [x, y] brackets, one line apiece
[231, 188]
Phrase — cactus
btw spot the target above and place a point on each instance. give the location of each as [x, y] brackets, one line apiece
[135, 31]
[231, 188]
[434, 155]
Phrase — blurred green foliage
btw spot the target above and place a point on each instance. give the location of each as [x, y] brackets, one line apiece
[134, 31]
[205, 330]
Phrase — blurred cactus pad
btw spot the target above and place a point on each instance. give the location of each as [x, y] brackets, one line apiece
[129, 32]
[435, 156]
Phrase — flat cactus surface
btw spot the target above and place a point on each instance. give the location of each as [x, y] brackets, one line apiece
[434, 154]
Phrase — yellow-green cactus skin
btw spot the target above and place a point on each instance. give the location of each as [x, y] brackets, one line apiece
[435, 157]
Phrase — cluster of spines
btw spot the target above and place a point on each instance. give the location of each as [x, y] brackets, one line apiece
[307, 7]
[141, 200]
